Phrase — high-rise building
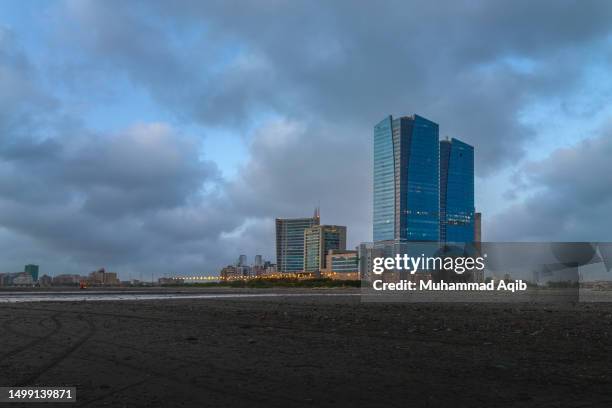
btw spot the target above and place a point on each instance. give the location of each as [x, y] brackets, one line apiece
[242, 260]
[32, 270]
[456, 191]
[318, 240]
[290, 242]
[258, 261]
[406, 180]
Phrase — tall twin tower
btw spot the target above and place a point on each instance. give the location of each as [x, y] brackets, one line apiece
[423, 187]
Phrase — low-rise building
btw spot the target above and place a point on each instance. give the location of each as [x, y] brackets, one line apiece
[269, 268]
[23, 279]
[103, 278]
[45, 281]
[342, 265]
[67, 280]
[229, 272]
[8, 279]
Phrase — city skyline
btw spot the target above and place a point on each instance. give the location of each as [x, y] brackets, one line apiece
[148, 137]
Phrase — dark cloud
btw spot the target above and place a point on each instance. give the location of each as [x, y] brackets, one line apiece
[73, 199]
[22, 103]
[461, 65]
[296, 167]
[568, 196]
[146, 198]
[124, 200]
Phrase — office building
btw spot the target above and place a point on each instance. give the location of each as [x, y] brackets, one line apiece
[258, 266]
[103, 278]
[406, 180]
[456, 191]
[341, 264]
[23, 279]
[290, 242]
[229, 272]
[318, 240]
[242, 260]
[32, 270]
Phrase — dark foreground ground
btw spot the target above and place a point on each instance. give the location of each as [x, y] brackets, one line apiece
[329, 351]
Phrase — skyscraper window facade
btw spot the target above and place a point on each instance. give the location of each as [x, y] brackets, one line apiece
[290, 243]
[456, 191]
[384, 181]
[318, 241]
[406, 180]
[32, 270]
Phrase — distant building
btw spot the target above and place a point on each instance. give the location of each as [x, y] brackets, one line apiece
[15, 279]
[23, 279]
[45, 280]
[5, 279]
[103, 278]
[258, 267]
[242, 260]
[290, 242]
[318, 240]
[406, 180]
[67, 280]
[229, 272]
[244, 270]
[477, 227]
[456, 191]
[138, 282]
[366, 253]
[269, 268]
[342, 264]
[32, 270]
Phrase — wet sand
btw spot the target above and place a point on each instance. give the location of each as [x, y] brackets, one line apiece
[310, 351]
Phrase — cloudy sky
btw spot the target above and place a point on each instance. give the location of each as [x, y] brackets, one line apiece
[164, 136]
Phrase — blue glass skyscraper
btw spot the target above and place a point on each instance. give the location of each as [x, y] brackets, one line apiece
[456, 191]
[406, 180]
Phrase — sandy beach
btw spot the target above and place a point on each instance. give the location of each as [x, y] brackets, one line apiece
[284, 351]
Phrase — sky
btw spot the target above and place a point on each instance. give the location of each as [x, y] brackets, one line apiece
[164, 137]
